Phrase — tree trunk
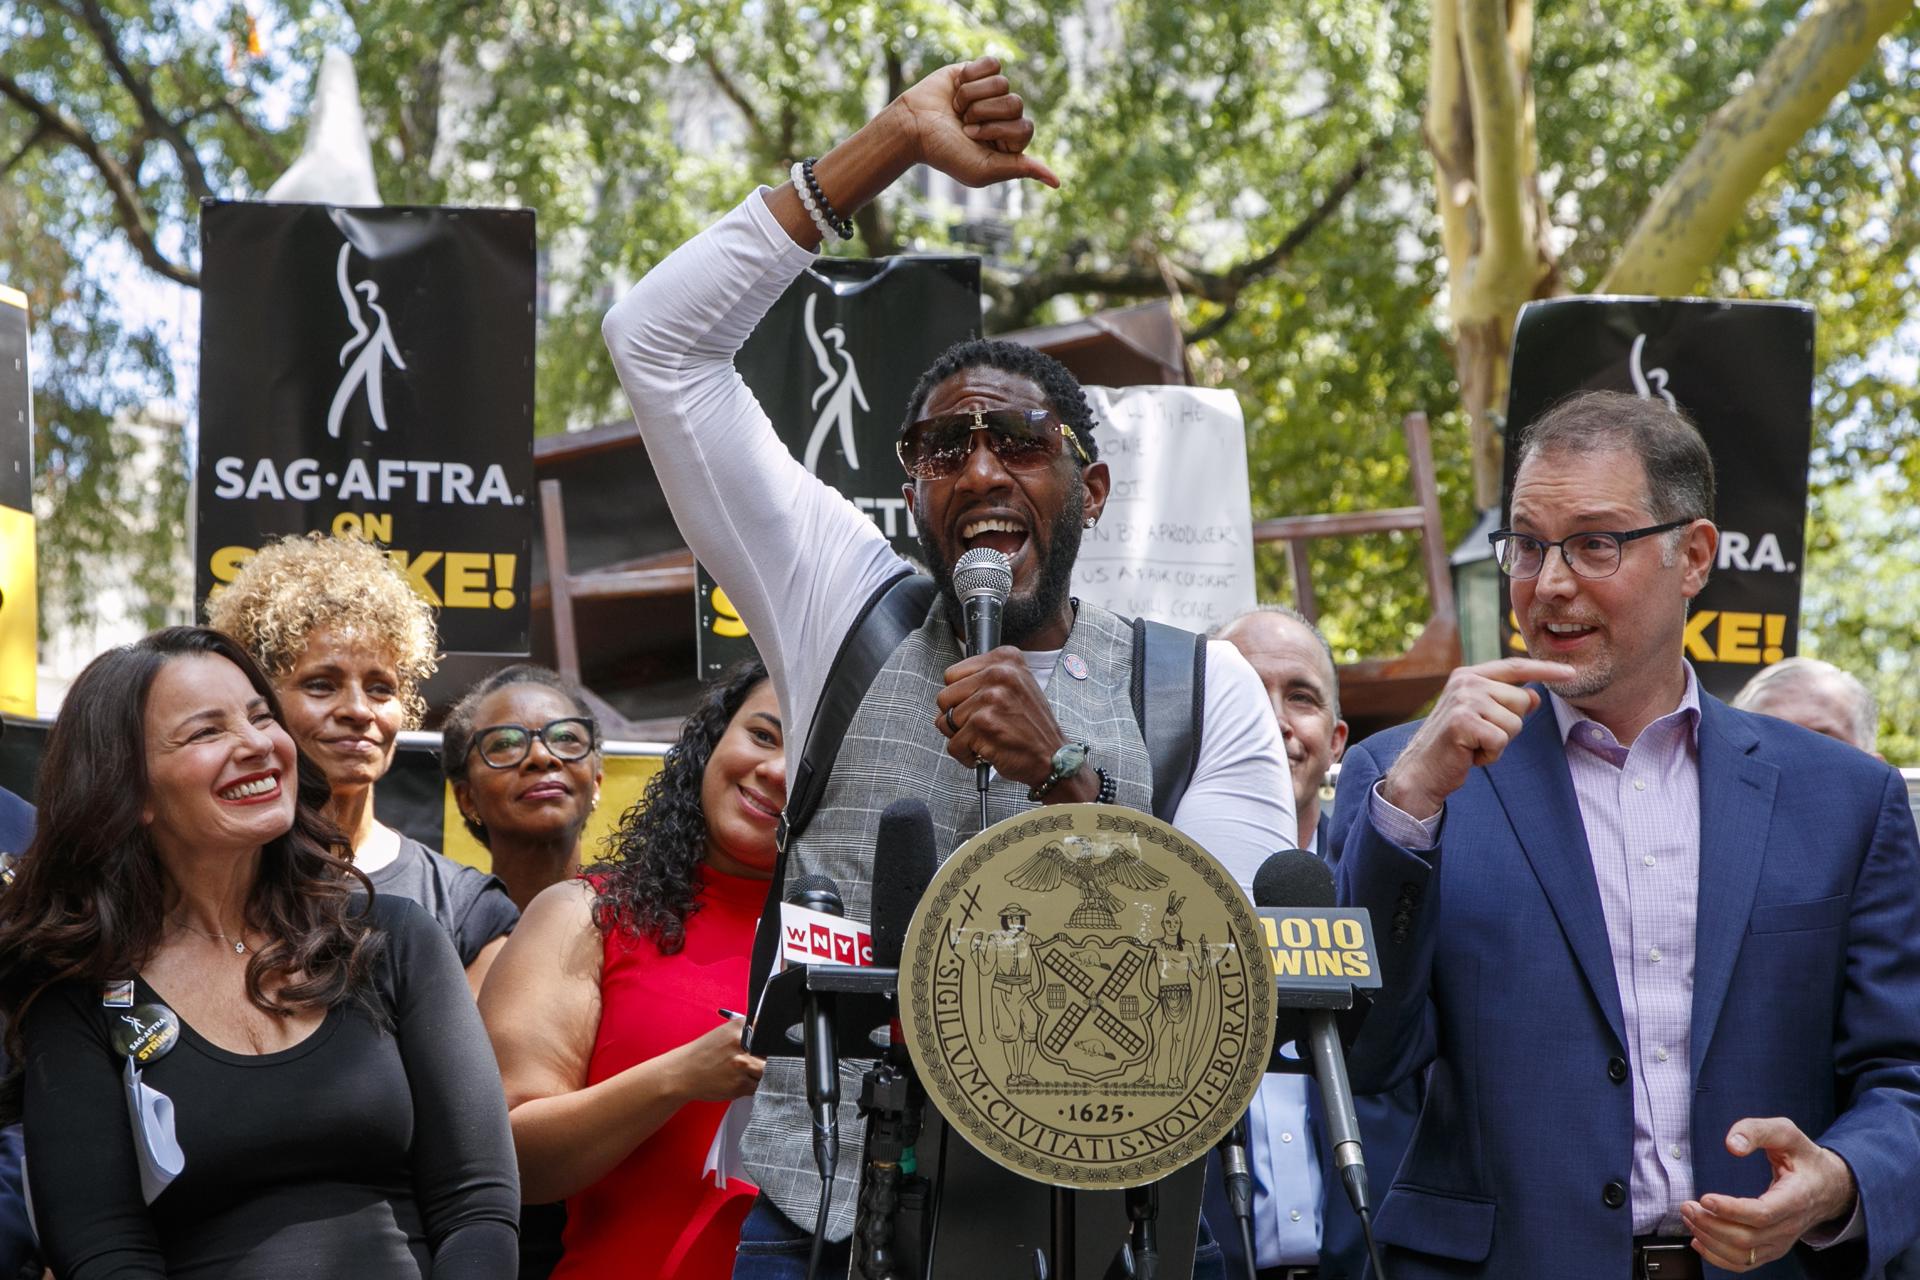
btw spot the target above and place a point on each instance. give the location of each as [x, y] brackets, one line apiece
[1479, 127]
[1683, 230]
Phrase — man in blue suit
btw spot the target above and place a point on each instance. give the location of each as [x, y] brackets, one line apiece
[1302, 1223]
[1662, 956]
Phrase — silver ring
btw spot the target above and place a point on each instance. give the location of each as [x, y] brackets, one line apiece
[952, 728]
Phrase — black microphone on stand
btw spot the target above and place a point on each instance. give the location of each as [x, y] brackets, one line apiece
[903, 866]
[890, 1096]
[1237, 1180]
[822, 1059]
[982, 579]
[1296, 880]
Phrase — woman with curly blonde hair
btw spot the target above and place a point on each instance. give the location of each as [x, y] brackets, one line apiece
[347, 643]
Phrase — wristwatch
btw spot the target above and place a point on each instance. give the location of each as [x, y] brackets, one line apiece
[1067, 761]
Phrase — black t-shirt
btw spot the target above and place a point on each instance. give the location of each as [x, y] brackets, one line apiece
[360, 1151]
[470, 905]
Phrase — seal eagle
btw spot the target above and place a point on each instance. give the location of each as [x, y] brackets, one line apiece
[1091, 872]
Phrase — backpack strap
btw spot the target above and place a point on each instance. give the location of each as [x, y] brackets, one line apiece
[1171, 665]
[890, 615]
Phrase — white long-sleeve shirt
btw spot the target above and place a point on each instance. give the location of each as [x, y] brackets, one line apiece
[798, 560]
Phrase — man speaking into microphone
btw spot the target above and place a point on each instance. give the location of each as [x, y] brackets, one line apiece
[999, 450]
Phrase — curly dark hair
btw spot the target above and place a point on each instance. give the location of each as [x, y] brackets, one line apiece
[651, 873]
[89, 904]
[456, 733]
[1056, 382]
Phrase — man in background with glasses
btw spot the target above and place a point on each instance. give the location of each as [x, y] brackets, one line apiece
[998, 451]
[1663, 956]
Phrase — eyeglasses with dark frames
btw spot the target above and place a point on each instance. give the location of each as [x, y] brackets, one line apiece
[1022, 439]
[504, 746]
[1592, 554]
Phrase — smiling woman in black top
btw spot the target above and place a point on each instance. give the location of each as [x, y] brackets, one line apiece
[335, 1105]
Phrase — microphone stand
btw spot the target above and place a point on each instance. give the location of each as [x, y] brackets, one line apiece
[1237, 1181]
[1139, 1256]
[890, 1098]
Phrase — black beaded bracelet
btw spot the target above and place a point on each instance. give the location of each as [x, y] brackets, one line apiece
[1109, 790]
[843, 227]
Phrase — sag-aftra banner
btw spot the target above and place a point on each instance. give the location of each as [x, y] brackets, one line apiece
[370, 371]
[1743, 371]
[833, 364]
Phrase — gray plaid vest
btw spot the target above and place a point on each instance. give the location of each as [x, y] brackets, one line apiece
[892, 749]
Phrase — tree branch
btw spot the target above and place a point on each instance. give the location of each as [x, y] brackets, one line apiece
[1148, 275]
[1213, 326]
[127, 207]
[34, 139]
[1685, 227]
[731, 92]
[155, 121]
[1505, 267]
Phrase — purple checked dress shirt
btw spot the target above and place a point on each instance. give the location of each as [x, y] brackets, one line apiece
[1640, 806]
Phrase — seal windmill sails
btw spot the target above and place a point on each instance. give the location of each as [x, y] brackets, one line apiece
[1089, 872]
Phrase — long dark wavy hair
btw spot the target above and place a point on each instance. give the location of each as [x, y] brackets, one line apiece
[90, 902]
[652, 868]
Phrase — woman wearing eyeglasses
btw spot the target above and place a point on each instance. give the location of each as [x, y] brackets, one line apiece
[522, 751]
[347, 643]
[605, 1007]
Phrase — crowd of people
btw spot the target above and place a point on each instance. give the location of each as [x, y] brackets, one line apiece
[1652, 999]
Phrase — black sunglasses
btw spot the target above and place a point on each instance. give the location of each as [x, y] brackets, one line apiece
[1022, 439]
[502, 746]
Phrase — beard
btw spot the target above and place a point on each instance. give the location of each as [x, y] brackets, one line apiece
[1589, 679]
[1029, 613]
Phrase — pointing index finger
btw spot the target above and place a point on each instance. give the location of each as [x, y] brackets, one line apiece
[1523, 670]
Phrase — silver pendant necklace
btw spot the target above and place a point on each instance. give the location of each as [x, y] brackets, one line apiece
[238, 944]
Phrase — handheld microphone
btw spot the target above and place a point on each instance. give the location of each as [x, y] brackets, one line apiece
[823, 1060]
[983, 579]
[1297, 880]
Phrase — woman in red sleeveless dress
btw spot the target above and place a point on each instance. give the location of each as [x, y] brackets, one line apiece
[604, 1007]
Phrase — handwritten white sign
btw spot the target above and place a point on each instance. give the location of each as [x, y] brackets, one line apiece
[1175, 542]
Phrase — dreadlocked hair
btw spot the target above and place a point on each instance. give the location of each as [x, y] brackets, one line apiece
[650, 877]
[1056, 382]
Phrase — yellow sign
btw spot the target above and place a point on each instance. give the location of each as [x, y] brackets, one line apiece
[19, 613]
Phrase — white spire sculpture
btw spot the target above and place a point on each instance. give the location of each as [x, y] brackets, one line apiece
[335, 166]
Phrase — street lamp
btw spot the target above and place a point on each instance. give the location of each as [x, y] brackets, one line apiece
[1476, 590]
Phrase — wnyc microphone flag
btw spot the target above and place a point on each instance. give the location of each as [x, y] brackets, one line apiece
[817, 937]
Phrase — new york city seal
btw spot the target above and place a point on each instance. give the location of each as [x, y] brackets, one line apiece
[1086, 996]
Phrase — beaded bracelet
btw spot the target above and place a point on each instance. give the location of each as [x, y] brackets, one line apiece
[1109, 789]
[842, 226]
[801, 189]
